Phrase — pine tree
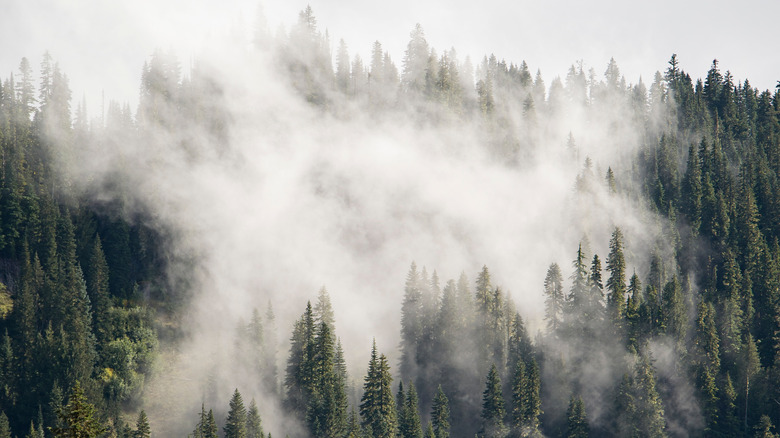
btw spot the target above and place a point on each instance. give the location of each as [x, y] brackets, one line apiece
[576, 420]
[411, 322]
[493, 406]
[78, 417]
[299, 378]
[353, 426]
[578, 294]
[410, 426]
[440, 415]
[96, 278]
[377, 407]
[616, 284]
[142, 429]
[554, 301]
[5, 428]
[531, 395]
[764, 428]
[594, 305]
[211, 426]
[200, 428]
[254, 425]
[235, 423]
[633, 314]
[519, 408]
[323, 310]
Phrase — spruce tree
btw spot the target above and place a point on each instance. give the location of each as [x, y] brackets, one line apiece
[410, 426]
[377, 407]
[493, 407]
[554, 301]
[440, 415]
[532, 400]
[576, 420]
[411, 322]
[235, 423]
[78, 417]
[142, 429]
[578, 294]
[519, 406]
[616, 284]
[5, 428]
[254, 425]
[764, 428]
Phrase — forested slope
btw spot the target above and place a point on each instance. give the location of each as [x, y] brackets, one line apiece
[675, 334]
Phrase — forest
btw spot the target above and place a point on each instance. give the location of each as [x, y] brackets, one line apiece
[674, 332]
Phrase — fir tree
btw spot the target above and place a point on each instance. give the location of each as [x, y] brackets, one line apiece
[616, 284]
[377, 407]
[440, 415]
[78, 417]
[254, 425]
[493, 406]
[5, 428]
[410, 426]
[142, 429]
[236, 421]
[554, 301]
[576, 420]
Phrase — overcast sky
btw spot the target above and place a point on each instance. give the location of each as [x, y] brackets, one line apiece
[102, 45]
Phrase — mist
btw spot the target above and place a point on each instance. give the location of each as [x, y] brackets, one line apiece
[293, 190]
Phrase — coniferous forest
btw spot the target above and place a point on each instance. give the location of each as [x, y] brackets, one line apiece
[666, 328]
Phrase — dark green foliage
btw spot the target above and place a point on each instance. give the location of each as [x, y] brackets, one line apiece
[299, 378]
[78, 417]
[207, 425]
[142, 429]
[5, 428]
[377, 407]
[236, 421]
[409, 424]
[616, 284]
[493, 411]
[254, 425]
[440, 415]
[764, 428]
[576, 420]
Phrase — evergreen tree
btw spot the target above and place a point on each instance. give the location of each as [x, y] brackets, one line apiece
[576, 420]
[411, 322]
[377, 407]
[236, 421]
[616, 284]
[554, 301]
[142, 429]
[578, 294]
[5, 428]
[410, 426]
[78, 417]
[531, 396]
[764, 428]
[299, 378]
[594, 305]
[254, 425]
[493, 406]
[440, 415]
[519, 403]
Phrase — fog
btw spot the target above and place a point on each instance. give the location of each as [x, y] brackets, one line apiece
[292, 197]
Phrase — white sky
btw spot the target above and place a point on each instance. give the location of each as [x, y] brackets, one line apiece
[102, 45]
